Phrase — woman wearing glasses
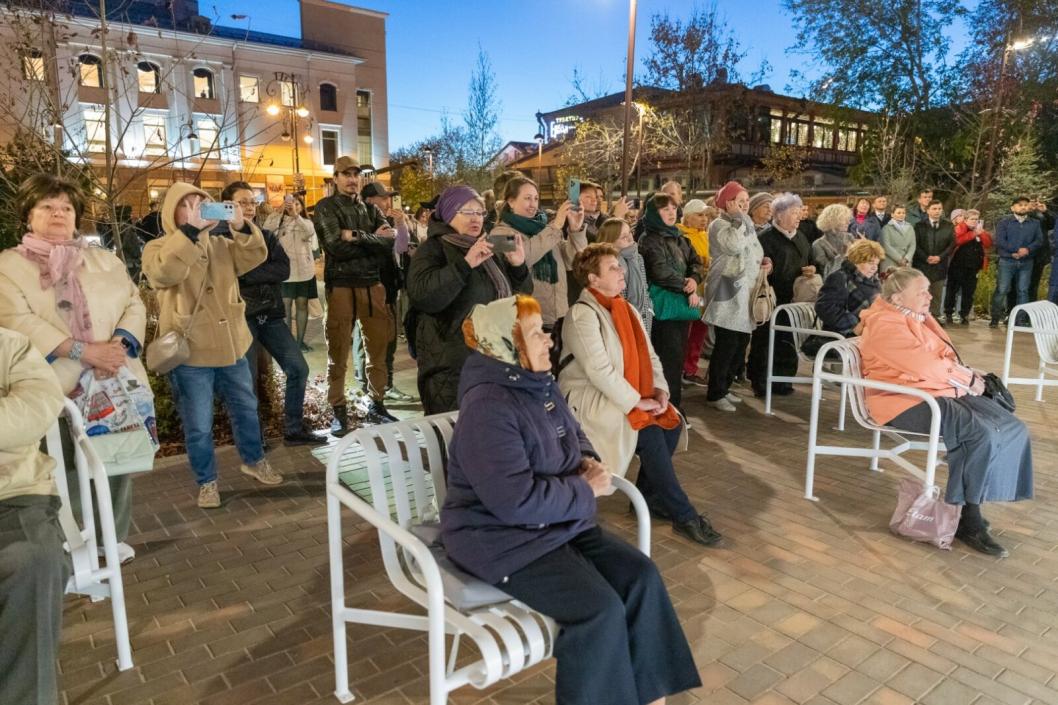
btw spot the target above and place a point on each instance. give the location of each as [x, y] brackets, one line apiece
[453, 271]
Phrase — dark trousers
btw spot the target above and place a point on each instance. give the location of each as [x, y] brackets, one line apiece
[274, 336]
[729, 351]
[657, 479]
[621, 642]
[785, 364]
[1038, 263]
[33, 574]
[961, 282]
[669, 339]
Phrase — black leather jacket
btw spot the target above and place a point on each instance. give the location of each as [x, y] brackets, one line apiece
[353, 263]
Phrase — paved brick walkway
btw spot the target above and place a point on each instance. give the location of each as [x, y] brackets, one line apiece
[807, 603]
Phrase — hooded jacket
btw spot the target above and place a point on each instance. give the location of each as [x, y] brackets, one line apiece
[30, 402]
[514, 488]
[176, 266]
[900, 349]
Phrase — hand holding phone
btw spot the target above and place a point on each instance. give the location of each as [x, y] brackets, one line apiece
[502, 244]
[574, 194]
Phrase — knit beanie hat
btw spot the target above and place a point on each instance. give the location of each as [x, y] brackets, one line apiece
[694, 206]
[957, 213]
[728, 193]
[759, 199]
[452, 199]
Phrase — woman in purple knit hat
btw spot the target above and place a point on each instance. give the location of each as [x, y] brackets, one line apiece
[453, 271]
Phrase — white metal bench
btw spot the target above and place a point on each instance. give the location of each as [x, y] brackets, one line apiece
[803, 323]
[405, 463]
[88, 578]
[1043, 319]
[851, 377]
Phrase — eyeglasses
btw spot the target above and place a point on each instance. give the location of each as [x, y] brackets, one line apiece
[473, 214]
[247, 204]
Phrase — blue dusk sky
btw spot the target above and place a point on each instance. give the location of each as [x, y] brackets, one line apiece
[534, 47]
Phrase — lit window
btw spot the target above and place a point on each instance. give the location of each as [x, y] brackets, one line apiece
[249, 89]
[208, 142]
[33, 65]
[203, 84]
[155, 144]
[147, 75]
[823, 134]
[328, 97]
[91, 74]
[95, 130]
[363, 127]
[330, 139]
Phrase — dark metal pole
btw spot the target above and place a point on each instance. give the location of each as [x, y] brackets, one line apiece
[628, 95]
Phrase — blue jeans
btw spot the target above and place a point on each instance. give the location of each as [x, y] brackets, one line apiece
[193, 389]
[274, 336]
[1009, 269]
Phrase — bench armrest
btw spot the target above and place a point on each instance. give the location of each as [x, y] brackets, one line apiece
[642, 512]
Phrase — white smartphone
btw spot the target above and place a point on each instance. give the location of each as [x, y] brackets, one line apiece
[212, 210]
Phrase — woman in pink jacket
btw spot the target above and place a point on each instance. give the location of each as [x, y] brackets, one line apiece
[989, 453]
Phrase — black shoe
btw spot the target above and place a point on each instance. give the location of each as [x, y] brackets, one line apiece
[340, 425]
[698, 530]
[964, 320]
[993, 323]
[949, 320]
[760, 392]
[377, 414]
[303, 438]
[982, 541]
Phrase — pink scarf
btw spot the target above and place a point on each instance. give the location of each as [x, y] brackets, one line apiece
[59, 263]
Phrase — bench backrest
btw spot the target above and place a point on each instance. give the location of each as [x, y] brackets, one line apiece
[1044, 317]
[851, 366]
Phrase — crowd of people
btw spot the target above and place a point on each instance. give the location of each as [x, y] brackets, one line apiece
[564, 338]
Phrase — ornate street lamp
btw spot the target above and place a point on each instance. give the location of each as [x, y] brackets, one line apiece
[281, 89]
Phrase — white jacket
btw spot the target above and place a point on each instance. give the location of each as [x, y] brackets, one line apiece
[297, 236]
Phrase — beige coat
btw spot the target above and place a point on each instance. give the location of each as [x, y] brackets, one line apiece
[30, 401]
[176, 267]
[594, 383]
[554, 301]
[113, 302]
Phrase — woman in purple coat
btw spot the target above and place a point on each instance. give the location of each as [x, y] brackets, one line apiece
[520, 514]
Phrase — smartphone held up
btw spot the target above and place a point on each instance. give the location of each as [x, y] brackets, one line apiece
[502, 244]
[214, 210]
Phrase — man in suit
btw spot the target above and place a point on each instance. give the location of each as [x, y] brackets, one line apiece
[877, 218]
[917, 211]
[934, 244]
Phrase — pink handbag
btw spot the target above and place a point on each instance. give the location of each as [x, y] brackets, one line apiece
[923, 515]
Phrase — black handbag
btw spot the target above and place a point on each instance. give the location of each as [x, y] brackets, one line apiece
[998, 392]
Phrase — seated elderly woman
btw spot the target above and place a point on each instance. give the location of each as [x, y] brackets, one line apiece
[850, 289]
[520, 514]
[989, 455]
[613, 381]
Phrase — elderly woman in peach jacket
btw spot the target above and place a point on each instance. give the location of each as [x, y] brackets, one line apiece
[988, 448]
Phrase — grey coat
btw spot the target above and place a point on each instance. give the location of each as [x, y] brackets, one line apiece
[736, 256]
[898, 243]
[828, 252]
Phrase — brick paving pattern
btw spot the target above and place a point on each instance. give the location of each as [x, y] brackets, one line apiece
[814, 604]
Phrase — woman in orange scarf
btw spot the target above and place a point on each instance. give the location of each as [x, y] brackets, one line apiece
[612, 378]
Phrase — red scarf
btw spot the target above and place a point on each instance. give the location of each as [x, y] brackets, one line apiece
[636, 354]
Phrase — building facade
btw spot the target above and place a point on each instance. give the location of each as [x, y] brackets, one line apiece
[170, 96]
[750, 123]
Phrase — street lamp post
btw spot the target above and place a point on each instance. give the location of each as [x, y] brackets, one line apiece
[628, 95]
[288, 84]
[429, 159]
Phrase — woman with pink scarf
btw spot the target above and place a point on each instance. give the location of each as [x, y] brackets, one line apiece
[75, 303]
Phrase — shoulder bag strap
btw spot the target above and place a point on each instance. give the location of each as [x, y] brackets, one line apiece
[201, 290]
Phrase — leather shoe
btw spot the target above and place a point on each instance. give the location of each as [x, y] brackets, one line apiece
[340, 425]
[303, 438]
[982, 541]
[697, 530]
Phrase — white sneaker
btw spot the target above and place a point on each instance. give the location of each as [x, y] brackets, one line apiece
[733, 398]
[722, 405]
[125, 553]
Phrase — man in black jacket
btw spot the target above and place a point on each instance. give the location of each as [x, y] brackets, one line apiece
[791, 257]
[354, 235]
[934, 245]
[266, 318]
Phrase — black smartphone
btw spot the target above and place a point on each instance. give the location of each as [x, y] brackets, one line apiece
[502, 243]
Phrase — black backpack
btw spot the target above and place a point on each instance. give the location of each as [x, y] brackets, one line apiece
[559, 361]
